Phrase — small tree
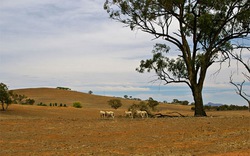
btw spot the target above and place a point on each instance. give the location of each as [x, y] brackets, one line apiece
[175, 101]
[4, 96]
[115, 103]
[152, 103]
[185, 102]
[90, 92]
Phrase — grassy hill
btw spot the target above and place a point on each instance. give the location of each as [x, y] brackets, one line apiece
[53, 95]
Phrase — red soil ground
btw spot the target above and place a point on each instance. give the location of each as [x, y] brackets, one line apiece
[37, 130]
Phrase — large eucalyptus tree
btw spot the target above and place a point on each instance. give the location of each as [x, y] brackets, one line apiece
[204, 33]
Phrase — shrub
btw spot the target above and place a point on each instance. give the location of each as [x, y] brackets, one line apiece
[115, 103]
[152, 103]
[41, 104]
[77, 105]
[30, 101]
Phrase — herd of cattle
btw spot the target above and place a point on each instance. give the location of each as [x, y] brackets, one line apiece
[130, 114]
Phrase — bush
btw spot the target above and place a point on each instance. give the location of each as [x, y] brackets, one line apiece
[77, 105]
[30, 101]
[115, 103]
[41, 104]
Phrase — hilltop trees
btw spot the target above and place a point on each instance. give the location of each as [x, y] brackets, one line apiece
[202, 31]
[5, 98]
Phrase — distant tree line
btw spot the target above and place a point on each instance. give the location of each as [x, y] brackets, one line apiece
[131, 98]
[223, 108]
[52, 104]
[176, 101]
[63, 88]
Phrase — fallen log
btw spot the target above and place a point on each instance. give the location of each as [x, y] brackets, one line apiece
[170, 114]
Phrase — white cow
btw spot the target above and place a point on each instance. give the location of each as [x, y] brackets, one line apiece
[129, 114]
[142, 114]
[110, 114]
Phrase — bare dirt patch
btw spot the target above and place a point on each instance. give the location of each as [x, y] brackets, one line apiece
[34, 130]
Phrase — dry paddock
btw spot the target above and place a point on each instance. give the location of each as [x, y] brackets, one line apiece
[34, 130]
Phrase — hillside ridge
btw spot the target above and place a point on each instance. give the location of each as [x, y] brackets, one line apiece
[54, 95]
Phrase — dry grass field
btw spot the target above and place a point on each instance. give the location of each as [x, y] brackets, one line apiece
[38, 130]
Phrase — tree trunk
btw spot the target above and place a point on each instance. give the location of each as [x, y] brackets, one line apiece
[198, 100]
[3, 107]
[249, 106]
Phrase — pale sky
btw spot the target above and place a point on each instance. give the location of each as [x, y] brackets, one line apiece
[51, 43]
